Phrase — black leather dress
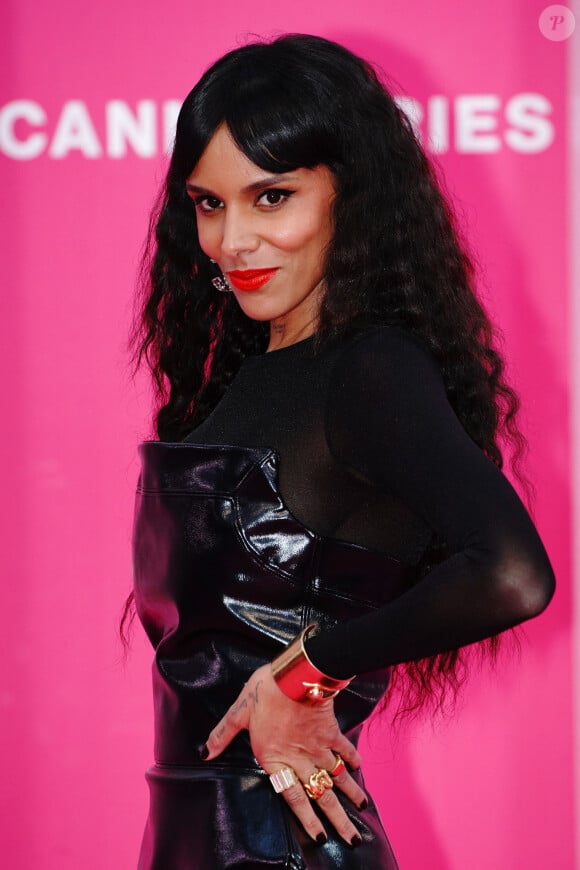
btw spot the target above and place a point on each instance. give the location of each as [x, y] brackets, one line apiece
[225, 577]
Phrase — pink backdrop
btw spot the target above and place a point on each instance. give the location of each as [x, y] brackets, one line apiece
[88, 96]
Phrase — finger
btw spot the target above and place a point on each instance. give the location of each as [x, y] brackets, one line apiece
[349, 753]
[235, 720]
[300, 804]
[333, 810]
[344, 781]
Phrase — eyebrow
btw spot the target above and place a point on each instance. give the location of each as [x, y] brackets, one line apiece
[268, 181]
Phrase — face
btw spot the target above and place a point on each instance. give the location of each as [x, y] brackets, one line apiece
[268, 233]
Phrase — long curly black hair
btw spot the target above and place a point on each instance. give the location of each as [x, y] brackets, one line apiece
[397, 257]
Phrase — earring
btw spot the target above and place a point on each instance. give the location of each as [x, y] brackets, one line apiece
[220, 282]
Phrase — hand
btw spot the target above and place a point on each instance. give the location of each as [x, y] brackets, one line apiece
[287, 733]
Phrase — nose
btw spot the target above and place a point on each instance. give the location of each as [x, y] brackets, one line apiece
[239, 233]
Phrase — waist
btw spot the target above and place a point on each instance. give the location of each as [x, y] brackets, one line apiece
[205, 769]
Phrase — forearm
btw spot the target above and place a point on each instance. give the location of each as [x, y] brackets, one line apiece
[458, 603]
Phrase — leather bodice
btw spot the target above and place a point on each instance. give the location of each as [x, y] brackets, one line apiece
[225, 576]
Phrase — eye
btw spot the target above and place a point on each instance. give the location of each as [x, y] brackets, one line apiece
[273, 197]
[207, 204]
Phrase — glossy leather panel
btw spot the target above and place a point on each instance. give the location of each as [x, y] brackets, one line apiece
[224, 577]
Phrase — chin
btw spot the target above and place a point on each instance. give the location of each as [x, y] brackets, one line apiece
[261, 313]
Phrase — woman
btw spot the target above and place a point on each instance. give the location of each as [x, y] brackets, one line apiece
[331, 407]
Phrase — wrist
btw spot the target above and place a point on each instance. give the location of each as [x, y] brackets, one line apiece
[299, 678]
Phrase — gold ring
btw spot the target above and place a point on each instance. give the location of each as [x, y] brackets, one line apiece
[283, 779]
[317, 784]
[339, 767]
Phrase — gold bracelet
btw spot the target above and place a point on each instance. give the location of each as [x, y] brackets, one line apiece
[299, 678]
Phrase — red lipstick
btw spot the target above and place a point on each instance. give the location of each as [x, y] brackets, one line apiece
[250, 279]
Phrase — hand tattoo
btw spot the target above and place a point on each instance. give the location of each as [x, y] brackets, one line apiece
[250, 696]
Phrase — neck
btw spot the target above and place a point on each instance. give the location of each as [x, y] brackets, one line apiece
[282, 334]
[298, 323]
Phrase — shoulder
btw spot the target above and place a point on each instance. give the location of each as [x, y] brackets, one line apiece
[384, 355]
[387, 405]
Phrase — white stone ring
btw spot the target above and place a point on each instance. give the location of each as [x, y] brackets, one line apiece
[283, 779]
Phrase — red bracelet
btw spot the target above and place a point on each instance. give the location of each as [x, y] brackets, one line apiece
[299, 678]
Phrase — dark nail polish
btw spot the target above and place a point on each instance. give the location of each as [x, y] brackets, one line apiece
[204, 752]
[321, 839]
[356, 841]
[363, 804]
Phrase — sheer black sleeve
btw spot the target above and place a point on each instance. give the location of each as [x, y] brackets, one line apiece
[388, 418]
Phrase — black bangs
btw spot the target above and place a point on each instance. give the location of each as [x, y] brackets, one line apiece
[282, 138]
[278, 119]
[281, 112]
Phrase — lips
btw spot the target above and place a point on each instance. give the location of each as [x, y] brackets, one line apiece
[250, 279]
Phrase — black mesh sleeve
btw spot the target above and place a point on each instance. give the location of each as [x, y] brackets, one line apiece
[388, 418]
